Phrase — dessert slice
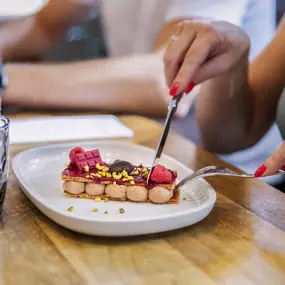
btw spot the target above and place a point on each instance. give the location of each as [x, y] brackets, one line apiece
[87, 176]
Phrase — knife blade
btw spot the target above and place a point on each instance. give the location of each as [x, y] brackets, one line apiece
[171, 111]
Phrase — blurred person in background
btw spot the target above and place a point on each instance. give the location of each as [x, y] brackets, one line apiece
[125, 38]
[110, 55]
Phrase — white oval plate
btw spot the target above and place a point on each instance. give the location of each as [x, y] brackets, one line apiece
[39, 170]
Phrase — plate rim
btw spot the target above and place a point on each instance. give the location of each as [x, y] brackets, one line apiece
[21, 181]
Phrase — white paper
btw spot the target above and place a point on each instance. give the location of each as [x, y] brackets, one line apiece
[56, 129]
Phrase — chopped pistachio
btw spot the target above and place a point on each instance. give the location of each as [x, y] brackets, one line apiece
[70, 209]
[116, 176]
[145, 175]
[97, 166]
[106, 199]
[86, 168]
[122, 211]
[98, 175]
[106, 212]
[97, 199]
[184, 198]
[124, 173]
[102, 173]
[94, 209]
[132, 182]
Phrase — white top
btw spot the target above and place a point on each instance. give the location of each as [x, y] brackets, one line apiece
[256, 17]
[140, 21]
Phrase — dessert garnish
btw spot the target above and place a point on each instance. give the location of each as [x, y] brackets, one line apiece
[88, 159]
[161, 174]
[73, 152]
[119, 166]
[88, 176]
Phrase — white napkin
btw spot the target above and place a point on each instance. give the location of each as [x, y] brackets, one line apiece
[56, 129]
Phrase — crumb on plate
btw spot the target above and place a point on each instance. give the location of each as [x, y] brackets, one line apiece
[97, 199]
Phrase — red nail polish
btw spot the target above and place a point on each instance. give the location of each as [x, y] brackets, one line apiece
[190, 87]
[282, 168]
[174, 88]
[260, 171]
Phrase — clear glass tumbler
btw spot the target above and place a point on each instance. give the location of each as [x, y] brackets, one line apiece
[4, 158]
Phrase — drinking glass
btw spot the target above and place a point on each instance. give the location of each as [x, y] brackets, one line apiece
[4, 158]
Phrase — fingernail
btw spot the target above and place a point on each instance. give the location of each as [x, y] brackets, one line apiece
[190, 87]
[260, 171]
[174, 88]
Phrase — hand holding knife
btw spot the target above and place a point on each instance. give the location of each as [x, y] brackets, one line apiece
[171, 110]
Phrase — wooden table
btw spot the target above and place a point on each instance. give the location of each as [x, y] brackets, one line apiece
[241, 242]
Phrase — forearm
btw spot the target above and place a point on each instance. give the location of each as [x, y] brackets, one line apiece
[30, 37]
[23, 39]
[266, 81]
[235, 110]
[126, 84]
[223, 111]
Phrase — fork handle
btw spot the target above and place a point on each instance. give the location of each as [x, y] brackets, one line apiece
[210, 171]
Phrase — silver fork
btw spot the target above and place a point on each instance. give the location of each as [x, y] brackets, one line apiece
[214, 171]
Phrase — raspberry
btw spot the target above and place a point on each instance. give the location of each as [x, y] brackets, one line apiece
[160, 174]
[75, 151]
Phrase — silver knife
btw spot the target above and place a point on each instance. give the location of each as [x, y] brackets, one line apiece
[171, 110]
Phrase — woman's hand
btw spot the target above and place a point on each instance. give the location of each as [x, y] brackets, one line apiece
[200, 51]
[275, 162]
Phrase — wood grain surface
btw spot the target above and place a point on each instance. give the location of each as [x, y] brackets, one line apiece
[241, 242]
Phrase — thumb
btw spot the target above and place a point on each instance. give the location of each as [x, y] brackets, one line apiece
[273, 163]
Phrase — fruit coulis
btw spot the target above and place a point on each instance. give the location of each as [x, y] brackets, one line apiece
[86, 165]
[73, 171]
